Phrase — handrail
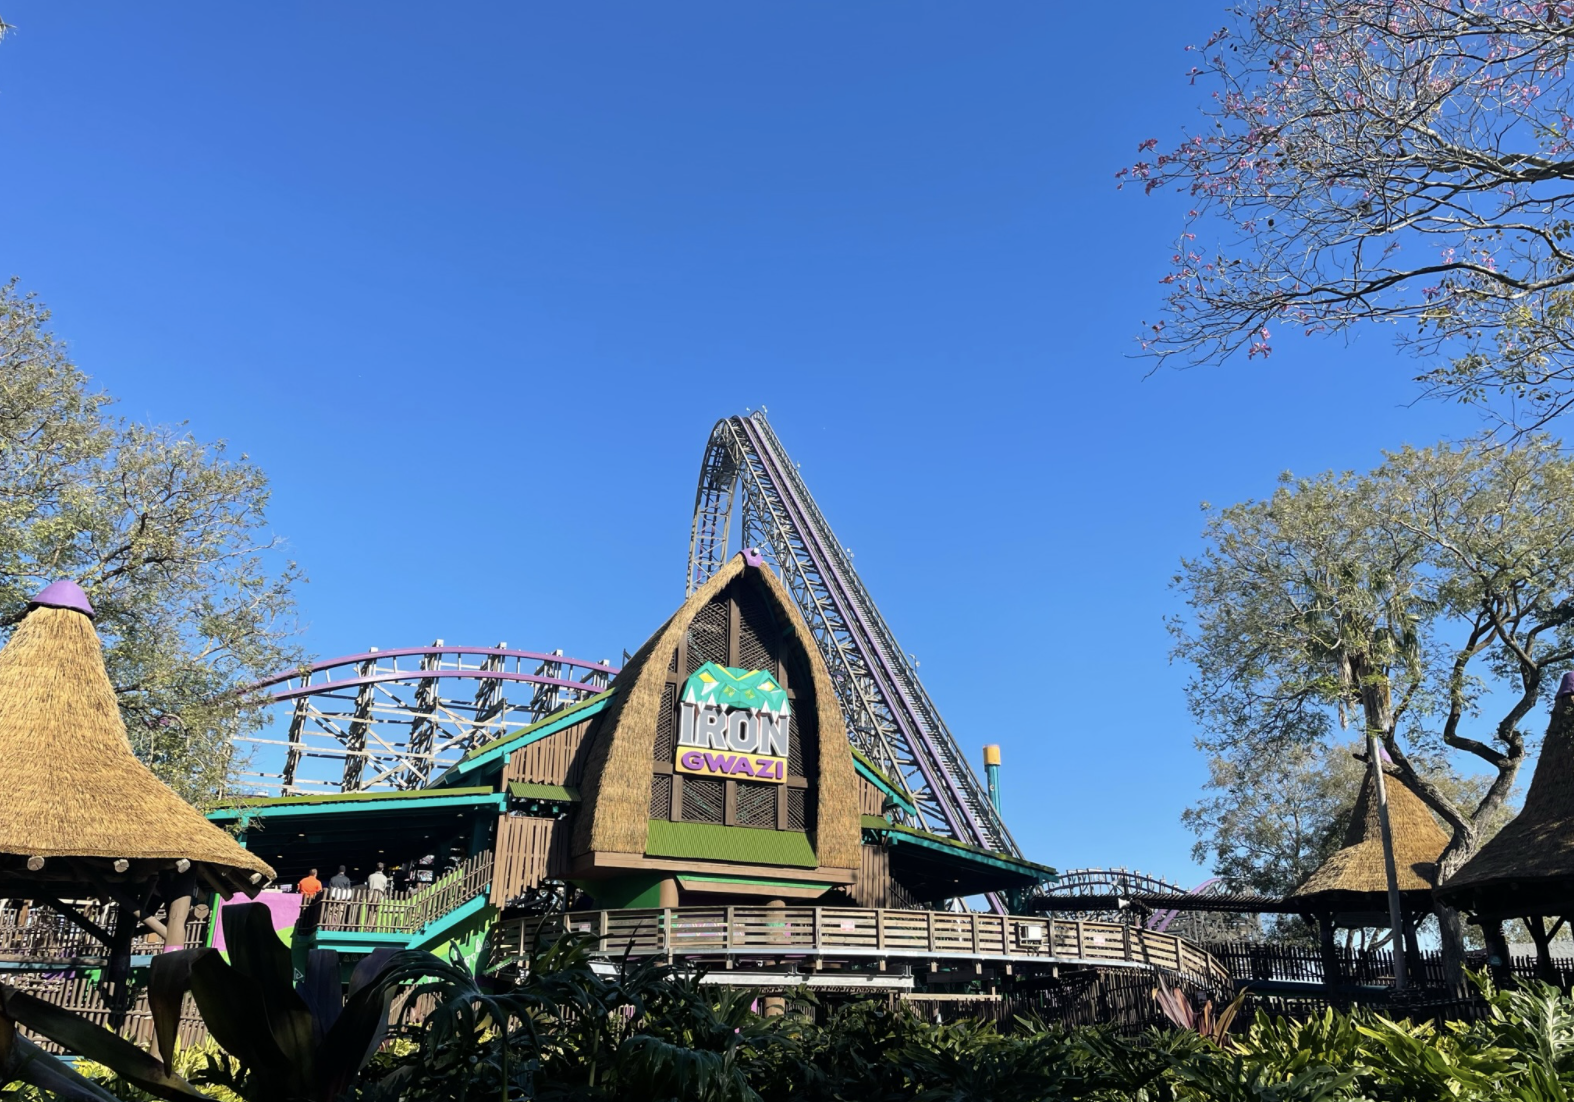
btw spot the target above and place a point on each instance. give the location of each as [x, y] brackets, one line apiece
[44, 935]
[361, 910]
[859, 932]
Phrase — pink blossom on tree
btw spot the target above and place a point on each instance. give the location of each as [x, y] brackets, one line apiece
[1407, 161]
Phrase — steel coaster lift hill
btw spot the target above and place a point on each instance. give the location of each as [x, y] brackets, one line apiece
[890, 717]
[764, 790]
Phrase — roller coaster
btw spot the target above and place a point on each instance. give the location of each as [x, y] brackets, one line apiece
[391, 719]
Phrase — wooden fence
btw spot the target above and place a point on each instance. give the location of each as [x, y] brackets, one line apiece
[1366, 968]
[83, 996]
[33, 933]
[360, 910]
[854, 932]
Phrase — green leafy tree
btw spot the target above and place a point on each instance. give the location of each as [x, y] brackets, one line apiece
[167, 534]
[1428, 601]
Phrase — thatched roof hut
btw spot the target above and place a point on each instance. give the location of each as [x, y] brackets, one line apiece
[1352, 885]
[80, 811]
[1528, 868]
[616, 791]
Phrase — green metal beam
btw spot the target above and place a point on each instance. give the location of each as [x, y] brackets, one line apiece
[364, 802]
[866, 770]
[900, 835]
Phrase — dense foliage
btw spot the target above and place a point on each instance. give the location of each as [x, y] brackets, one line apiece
[568, 1029]
[166, 533]
[575, 1034]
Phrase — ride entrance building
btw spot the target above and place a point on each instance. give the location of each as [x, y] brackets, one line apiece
[762, 791]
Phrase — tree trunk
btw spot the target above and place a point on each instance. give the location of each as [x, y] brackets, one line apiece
[1545, 972]
[1450, 926]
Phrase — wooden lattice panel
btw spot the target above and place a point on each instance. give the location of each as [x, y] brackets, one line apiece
[756, 805]
[661, 796]
[703, 800]
[707, 635]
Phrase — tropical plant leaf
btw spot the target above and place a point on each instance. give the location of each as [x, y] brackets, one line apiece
[371, 967]
[27, 1063]
[353, 1040]
[322, 990]
[76, 1034]
[169, 978]
[233, 1008]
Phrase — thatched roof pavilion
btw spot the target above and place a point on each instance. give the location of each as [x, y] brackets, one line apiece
[1352, 885]
[81, 815]
[1528, 868]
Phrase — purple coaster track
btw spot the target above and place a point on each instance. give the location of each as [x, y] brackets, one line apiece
[397, 718]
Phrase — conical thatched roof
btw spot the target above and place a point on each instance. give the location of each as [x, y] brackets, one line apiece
[74, 793]
[1528, 868]
[617, 784]
[1355, 878]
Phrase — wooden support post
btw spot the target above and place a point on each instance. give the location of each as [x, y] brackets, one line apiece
[1498, 962]
[1330, 952]
[117, 975]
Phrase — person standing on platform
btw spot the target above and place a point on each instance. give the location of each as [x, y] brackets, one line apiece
[340, 884]
[311, 904]
[309, 887]
[377, 882]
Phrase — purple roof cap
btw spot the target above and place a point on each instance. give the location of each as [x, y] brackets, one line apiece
[1567, 688]
[63, 594]
[752, 557]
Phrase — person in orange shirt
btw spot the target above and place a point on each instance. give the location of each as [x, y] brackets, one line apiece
[309, 886]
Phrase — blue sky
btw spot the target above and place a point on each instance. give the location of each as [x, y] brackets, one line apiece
[472, 283]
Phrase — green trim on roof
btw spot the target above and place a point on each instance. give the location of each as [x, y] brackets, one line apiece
[744, 845]
[498, 749]
[874, 822]
[744, 880]
[529, 790]
[867, 770]
[416, 799]
[905, 835]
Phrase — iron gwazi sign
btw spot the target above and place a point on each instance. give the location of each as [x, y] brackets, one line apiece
[733, 723]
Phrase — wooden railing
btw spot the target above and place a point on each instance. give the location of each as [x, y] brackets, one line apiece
[363, 911]
[35, 933]
[848, 932]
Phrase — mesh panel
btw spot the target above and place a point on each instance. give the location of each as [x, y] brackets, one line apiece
[756, 805]
[661, 796]
[797, 809]
[666, 725]
[756, 632]
[707, 635]
[702, 800]
[803, 756]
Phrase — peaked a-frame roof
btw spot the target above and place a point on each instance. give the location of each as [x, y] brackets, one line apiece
[75, 794]
[1528, 867]
[1355, 878]
[615, 794]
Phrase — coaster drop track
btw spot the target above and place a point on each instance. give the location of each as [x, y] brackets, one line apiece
[890, 717]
